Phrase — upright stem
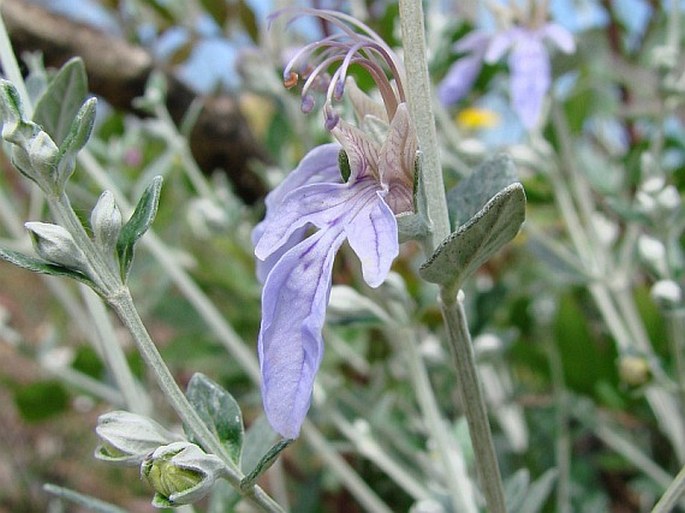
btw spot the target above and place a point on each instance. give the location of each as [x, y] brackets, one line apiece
[421, 108]
[473, 402]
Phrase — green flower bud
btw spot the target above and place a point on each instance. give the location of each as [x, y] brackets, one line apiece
[180, 473]
[127, 438]
[55, 244]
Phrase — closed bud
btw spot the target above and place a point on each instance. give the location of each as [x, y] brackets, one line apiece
[56, 245]
[667, 294]
[180, 473]
[105, 220]
[127, 439]
[634, 370]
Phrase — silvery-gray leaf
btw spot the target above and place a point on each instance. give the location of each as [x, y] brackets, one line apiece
[474, 191]
[465, 250]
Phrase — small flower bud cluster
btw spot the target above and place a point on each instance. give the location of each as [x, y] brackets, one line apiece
[180, 472]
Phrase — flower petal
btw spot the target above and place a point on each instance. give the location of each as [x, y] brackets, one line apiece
[319, 165]
[373, 237]
[362, 152]
[562, 38]
[320, 204]
[500, 44]
[530, 78]
[475, 42]
[459, 79]
[290, 347]
[396, 161]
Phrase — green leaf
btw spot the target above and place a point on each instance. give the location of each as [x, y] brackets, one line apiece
[473, 192]
[465, 250]
[219, 411]
[91, 503]
[38, 265]
[58, 106]
[264, 463]
[138, 224]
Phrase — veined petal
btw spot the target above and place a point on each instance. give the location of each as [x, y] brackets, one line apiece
[562, 38]
[530, 78]
[263, 267]
[290, 346]
[320, 204]
[318, 165]
[373, 237]
[396, 161]
[362, 152]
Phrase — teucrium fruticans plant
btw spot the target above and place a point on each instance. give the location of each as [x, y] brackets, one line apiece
[46, 154]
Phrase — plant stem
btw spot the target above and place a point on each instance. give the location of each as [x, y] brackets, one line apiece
[125, 309]
[473, 402]
[134, 399]
[421, 108]
[672, 495]
[676, 331]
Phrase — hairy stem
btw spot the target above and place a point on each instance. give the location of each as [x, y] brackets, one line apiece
[473, 402]
[421, 108]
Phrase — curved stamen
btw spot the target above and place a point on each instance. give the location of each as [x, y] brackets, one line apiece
[306, 51]
[322, 66]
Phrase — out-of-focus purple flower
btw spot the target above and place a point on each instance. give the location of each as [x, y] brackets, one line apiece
[529, 65]
[346, 191]
[463, 73]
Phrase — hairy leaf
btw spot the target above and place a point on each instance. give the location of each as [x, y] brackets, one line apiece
[219, 411]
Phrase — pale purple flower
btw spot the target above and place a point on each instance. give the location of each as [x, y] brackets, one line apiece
[463, 73]
[529, 65]
[315, 210]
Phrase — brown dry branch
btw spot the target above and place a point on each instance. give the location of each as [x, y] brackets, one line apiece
[118, 72]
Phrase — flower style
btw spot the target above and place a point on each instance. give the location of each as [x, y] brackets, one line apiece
[347, 191]
[529, 65]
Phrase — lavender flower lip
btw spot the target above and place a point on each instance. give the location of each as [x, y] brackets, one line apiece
[360, 208]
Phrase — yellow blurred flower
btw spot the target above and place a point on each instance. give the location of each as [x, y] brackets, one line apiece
[474, 118]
